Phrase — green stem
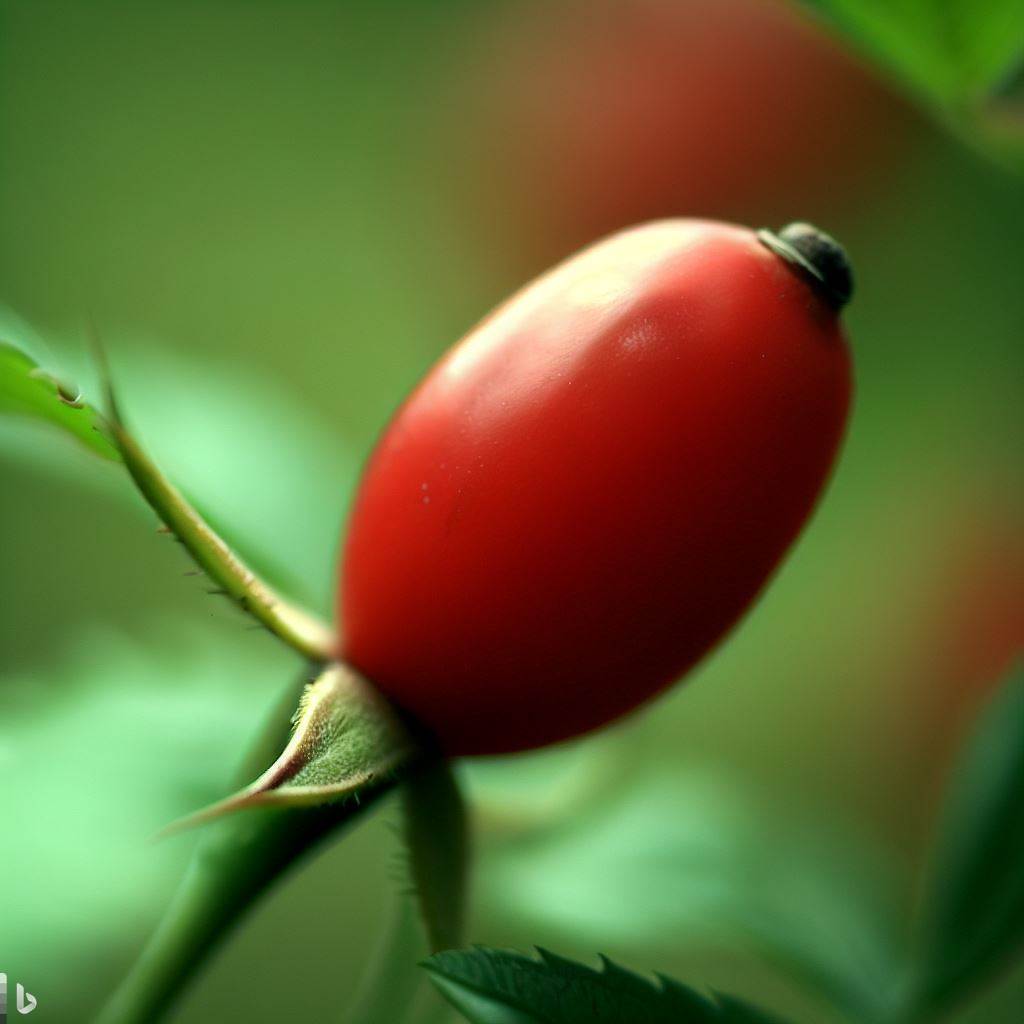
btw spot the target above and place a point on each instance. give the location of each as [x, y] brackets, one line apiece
[230, 870]
[294, 625]
[237, 860]
[437, 836]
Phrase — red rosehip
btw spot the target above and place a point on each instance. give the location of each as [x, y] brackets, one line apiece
[967, 631]
[584, 494]
[572, 118]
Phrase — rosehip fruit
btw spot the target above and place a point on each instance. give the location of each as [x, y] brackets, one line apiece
[572, 118]
[586, 492]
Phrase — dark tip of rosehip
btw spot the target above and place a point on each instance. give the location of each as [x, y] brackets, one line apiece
[819, 257]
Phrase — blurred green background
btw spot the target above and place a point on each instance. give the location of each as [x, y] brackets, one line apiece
[277, 215]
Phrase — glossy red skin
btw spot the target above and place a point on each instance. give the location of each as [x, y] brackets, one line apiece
[584, 495]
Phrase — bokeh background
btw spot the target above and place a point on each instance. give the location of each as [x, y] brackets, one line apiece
[277, 215]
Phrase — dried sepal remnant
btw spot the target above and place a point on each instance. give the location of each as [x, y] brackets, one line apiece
[346, 740]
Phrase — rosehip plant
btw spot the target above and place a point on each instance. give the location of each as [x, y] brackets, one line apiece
[575, 505]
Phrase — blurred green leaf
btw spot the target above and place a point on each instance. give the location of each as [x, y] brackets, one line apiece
[280, 506]
[690, 858]
[955, 52]
[513, 793]
[346, 740]
[437, 836]
[24, 388]
[974, 909]
[81, 814]
[392, 984]
[28, 390]
[500, 987]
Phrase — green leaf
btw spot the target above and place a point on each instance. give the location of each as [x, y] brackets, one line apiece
[392, 984]
[437, 836]
[105, 739]
[690, 856]
[491, 986]
[955, 52]
[346, 740]
[974, 909]
[27, 390]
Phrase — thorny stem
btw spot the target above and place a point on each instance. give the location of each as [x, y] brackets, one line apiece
[241, 857]
[228, 873]
[295, 626]
[235, 863]
[430, 916]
